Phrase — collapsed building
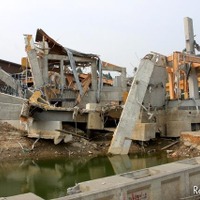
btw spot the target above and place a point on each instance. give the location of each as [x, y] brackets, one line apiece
[52, 90]
[163, 98]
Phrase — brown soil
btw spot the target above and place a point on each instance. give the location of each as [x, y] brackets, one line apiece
[182, 151]
[15, 145]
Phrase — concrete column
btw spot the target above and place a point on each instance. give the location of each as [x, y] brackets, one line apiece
[44, 68]
[121, 141]
[62, 76]
[189, 35]
[193, 84]
[123, 80]
[35, 68]
[73, 66]
[94, 75]
[189, 39]
[46, 130]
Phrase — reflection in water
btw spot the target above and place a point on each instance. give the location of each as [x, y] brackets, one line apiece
[51, 178]
[125, 163]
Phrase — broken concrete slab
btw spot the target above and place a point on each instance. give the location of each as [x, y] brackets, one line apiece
[9, 80]
[121, 141]
[6, 98]
[144, 131]
[10, 111]
[42, 129]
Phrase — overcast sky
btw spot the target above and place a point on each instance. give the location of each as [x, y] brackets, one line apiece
[120, 31]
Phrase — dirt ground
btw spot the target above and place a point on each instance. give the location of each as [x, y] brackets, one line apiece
[182, 151]
[15, 145]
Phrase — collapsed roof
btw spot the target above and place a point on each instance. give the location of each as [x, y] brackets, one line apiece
[56, 48]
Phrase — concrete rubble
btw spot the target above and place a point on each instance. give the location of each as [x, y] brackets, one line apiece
[191, 139]
[58, 86]
[147, 102]
[53, 90]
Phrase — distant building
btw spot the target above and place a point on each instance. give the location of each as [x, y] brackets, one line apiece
[11, 68]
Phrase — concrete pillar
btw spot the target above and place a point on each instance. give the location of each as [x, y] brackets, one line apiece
[44, 68]
[35, 68]
[121, 141]
[189, 35]
[189, 39]
[123, 80]
[46, 130]
[193, 84]
[62, 76]
[94, 75]
[73, 66]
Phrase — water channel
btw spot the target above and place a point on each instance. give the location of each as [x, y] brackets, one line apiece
[51, 178]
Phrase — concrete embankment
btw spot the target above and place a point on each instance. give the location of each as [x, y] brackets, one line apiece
[177, 180]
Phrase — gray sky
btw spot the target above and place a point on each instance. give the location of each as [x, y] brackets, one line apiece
[120, 31]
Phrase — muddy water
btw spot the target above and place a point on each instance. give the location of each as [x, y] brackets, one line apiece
[51, 178]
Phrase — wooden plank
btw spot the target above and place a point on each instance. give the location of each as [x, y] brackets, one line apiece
[169, 145]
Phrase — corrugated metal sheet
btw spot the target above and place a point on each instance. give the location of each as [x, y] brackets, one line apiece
[56, 48]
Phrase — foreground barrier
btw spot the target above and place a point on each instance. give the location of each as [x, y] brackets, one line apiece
[172, 181]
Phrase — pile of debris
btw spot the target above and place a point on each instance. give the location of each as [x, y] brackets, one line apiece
[15, 145]
[59, 85]
[183, 151]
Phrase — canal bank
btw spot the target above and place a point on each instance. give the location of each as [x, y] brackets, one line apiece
[15, 145]
[50, 178]
[47, 170]
[176, 180]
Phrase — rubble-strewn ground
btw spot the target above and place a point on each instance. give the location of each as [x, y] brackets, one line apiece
[15, 145]
[182, 151]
